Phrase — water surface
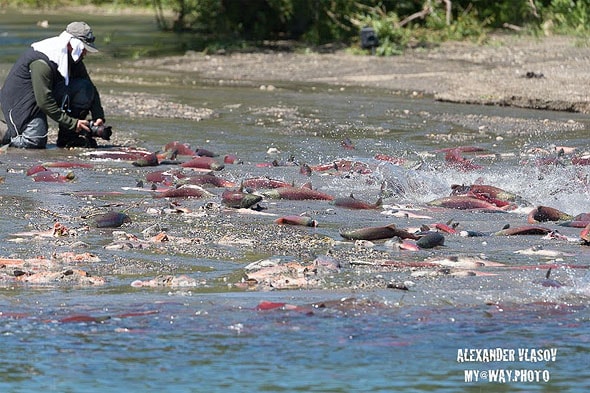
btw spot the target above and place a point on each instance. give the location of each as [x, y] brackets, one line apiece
[213, 338]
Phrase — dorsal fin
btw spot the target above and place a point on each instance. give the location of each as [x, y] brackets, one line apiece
[379, 202]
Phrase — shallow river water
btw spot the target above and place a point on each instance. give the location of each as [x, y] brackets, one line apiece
[356, 335]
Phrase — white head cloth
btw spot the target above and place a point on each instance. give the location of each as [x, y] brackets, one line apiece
[56, 49]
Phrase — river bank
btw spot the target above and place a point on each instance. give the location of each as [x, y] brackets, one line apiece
[540, 73]
[546, 72]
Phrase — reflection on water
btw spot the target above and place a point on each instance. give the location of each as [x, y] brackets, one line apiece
[212, 338]
[117, 36]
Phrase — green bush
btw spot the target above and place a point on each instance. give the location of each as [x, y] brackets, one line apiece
[569, 17]
[398, 23]
[465, 26]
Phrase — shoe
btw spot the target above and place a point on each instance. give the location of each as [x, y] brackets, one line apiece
[78, 141]
[91, 143]
[66, 138]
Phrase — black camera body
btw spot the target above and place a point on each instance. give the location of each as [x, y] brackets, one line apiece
[369, 39]
[100, 131]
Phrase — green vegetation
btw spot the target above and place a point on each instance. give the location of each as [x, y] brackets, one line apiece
[398, 24]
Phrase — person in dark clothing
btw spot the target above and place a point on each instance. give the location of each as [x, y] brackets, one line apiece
[50, 80]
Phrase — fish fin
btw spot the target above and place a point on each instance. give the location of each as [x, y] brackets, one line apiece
[379, 202]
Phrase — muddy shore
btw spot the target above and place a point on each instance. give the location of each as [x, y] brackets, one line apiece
[542, 73]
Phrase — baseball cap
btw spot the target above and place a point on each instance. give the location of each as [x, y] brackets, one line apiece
[83, 32]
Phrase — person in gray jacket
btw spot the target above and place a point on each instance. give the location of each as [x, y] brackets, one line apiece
[50, 80]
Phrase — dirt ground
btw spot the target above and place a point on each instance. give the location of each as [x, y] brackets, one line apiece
[543, 73]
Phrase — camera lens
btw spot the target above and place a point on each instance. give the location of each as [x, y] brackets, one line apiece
[100, 131]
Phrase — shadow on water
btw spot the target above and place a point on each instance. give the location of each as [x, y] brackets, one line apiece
[350, 338]
[118, 36]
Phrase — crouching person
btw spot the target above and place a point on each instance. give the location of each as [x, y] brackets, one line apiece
[51, 80]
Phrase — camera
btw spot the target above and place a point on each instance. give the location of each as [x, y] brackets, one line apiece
[100, 131]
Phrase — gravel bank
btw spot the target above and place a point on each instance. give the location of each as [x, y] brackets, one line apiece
[542, 73]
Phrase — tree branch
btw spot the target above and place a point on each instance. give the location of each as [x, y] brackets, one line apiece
[427, 10]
